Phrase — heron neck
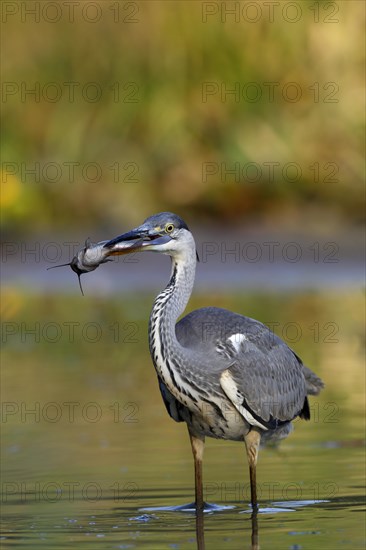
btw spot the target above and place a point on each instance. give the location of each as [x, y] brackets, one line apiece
[172, 301]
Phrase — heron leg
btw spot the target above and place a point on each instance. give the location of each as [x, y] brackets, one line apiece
[255, 536]
[198, 445]
[252, 441]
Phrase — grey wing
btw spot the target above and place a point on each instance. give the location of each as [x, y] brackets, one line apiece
[259, 373]
[267, 389]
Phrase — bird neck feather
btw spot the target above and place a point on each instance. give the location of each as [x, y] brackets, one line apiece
[172, 301]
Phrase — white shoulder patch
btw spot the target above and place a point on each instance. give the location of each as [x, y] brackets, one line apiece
[237, 339]
[236, 397]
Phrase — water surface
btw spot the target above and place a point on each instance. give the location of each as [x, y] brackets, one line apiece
[90, 457]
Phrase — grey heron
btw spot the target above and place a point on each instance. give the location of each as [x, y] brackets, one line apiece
[226, 375]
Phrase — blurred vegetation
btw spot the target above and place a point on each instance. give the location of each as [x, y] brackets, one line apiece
[161, 140]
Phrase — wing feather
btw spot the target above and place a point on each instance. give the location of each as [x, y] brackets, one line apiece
[262, 377]
[268, 387]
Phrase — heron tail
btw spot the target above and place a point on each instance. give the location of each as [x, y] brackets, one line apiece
[314, 384]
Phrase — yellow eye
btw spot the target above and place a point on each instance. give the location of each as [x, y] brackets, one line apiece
[169, 228]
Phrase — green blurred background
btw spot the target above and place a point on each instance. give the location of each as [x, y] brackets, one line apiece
[132, 113]
[132, 100]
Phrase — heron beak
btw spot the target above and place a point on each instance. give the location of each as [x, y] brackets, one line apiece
[136, 240]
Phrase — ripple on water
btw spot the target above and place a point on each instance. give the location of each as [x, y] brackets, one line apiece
[209, 508]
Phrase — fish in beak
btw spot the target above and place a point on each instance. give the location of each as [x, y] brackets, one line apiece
[87, 259]
[93, 255]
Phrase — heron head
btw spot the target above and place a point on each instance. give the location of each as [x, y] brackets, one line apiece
[166, 233]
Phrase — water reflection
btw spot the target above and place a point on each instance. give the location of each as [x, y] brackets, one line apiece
[270, 509]
[125, 526]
